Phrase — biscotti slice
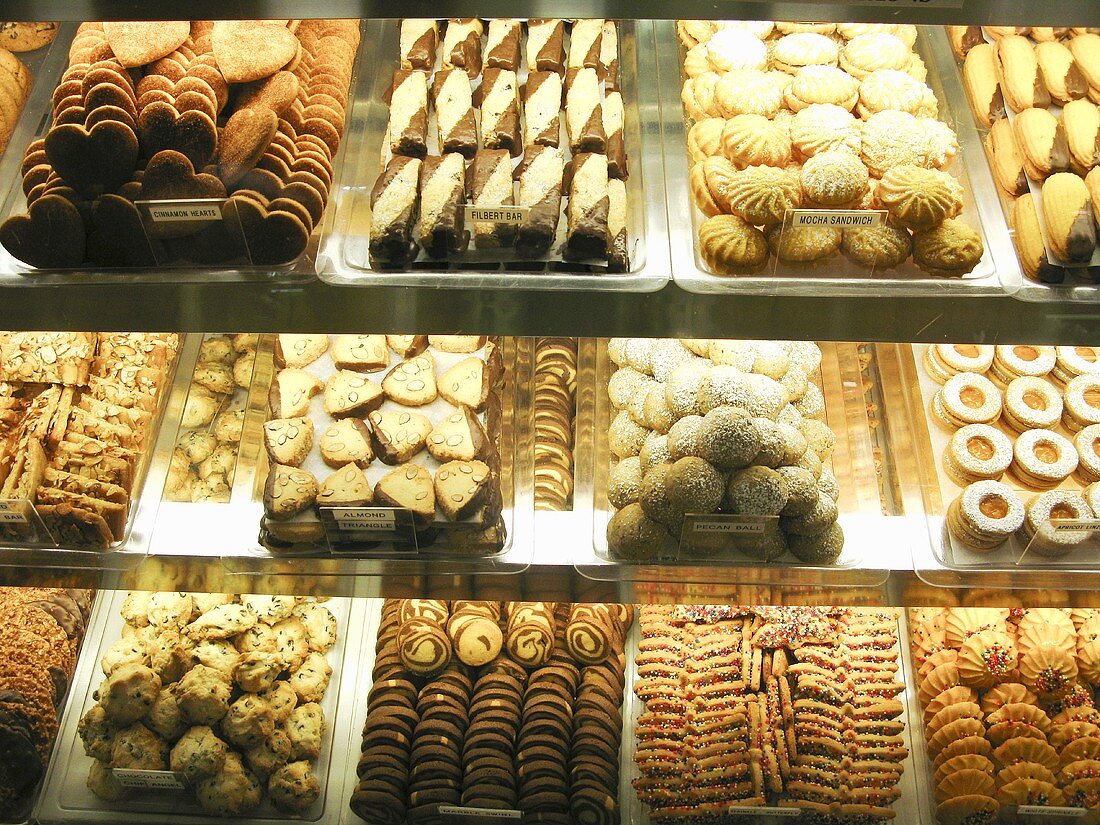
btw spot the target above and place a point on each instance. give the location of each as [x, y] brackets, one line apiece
[27, 473]
[347, 487]
[461, 487]
[408, 128]
[409, 487]
[584, 112]
[137, 420]
[1059, 71]
[1019, 74]
[112, 513]
[541, 105]
[407, 345]
[1027, 235]
[546, 46]
[347, 441]
[540, 189]
[1067, 213]
[457, 343]
[584, 44]
[983, 89]
[360, 353]
[288, 492]
[467, 383]
[458, 437]
[1042, 141]
[613, 116]
[618, 246]
[74, 526]
[412, 382]
[1005, 158]
[398, 436]
[462, 45]
[83, 485]
[442, 198]
[294, 350]
[454, 112]
[394, 205]
[349, 393]
[112, 392]
[291, 391]
[499, 101]
[419, 39]
[608, 70]
[1081, 121]
[502, 45]
[83, 422]
[489, 183]
[588, 207]
[288, 440]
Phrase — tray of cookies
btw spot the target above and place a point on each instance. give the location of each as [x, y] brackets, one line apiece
[505, 153]
[1033, 93]
[432, 431]
[825, 156]
[201, 148]
[1003, 706]
[776, 711]
[82, 435]
[493, 707]
[753, 457]
[1006, 446]
[203, 706]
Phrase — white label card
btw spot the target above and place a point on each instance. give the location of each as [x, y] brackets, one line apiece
[732, 525]
[751, 810]
[149, 780]
[839, 218]
[13, 512]
[470, 815]
[1043, 810]
[497, 214]
[365, 519]
[1072, 524]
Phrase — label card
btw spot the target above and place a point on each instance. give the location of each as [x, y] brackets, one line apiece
[206, 210]
[1066, 525]
[13, 511]
[461, 815]
[149, 780]
[714, 536]
[839, 218]
[752, 810]
[365, 519]
[497, 214]
[736, 526]
[355, 531]
[1044, 810]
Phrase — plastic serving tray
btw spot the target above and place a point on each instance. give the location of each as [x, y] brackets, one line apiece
[997, 273]
[344, 257]
[862, 562]
[66, 798]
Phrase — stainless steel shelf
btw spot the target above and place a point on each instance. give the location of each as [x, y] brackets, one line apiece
[1005, 12]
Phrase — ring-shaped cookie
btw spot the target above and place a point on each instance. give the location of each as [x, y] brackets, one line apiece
[1032, 403]
[969, 398]
[1039, 535]
[1073, 361]
[1042, 459]
[1087, 443]
[1013, 360]
[1092, 496]
[1082, 402]
[977, 452]
[987, 513]
[950, 359]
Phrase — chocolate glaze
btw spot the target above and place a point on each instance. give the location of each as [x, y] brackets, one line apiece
[392, 244]
[551, 135]
[466, 53]
[504, 52]
[536, 234]
[504, 132]
[421, 54]
[411, 137]
[448, 234]
[551, 57]
[462, 138]
[585, 55]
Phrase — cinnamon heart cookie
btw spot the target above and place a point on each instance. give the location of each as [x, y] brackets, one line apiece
[273, 235]
[93, 160]
[137, 43]
[249, 50]
[170, 175]
[51, 234]
[243, 141]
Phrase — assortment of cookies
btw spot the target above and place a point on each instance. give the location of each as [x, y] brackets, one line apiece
[77, 416]
[205, 457]
[1020, 417]
[248, 113]
[786, 116]
[221, 689]
[792, 707]
[490, 705]
[704, 426]
[1008, 700]
[1037, 90]
[456, 137]
[40, 634]
[555, 409]
[404, 421]
[15, 78]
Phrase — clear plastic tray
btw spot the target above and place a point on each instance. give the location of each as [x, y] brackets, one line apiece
[516, 451]
[35, 122]
[344, 257]
[862, 561]
[998, 272]
[942, 560]
[67, 799]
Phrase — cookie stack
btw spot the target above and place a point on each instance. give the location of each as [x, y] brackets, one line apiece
[1008, 707]
[719, 426]
[206, 455]
[468, 79]
[555, 408]
[819, 116]
[792, 707]
[79, 412]
[15, 79]
[143, 112]
[1049, 80]
[463, 713]
[40, 634]
[422, 437]
[225, 690]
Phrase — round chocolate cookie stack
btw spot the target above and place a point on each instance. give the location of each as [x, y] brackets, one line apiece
[555, 407]
[501, 715]
[40, 633]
